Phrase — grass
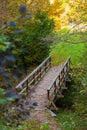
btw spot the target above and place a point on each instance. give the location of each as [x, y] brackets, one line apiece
[26, 125]
[66, 119]
[61, 51]
[69, 120]
[68, 44]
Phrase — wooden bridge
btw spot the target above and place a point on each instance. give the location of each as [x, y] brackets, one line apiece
[47, 82]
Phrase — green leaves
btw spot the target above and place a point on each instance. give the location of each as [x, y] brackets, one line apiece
[2, 92]
[45, 126]
[4, 45]
[3, 101]
[2, 39]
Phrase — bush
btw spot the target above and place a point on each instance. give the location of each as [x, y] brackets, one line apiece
[34, 44]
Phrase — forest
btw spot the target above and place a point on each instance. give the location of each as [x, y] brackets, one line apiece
[30, 31]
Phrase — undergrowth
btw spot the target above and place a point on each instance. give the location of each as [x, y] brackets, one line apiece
[70, 120]
[26, 125]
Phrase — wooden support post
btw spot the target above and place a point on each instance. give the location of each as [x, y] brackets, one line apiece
[53, 104]
[34, 78]
[40, 72]
[48, 94]
[59, 82]
[45, 67]
[50, 62]
[26, 85]
[64, 86]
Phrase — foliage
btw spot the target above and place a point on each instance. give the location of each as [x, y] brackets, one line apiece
[45, 126]
[2, 98]
[10, 10]
[26, 125]
[68, 44]
[78, 11]
[76, 118]
[25, 40]
[30, 39]
[56, 9]
[7, 60]
[38, 5]
[6, 66]
[70, 120]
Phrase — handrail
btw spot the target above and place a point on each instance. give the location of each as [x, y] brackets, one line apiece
[35, 76]
[57, 82]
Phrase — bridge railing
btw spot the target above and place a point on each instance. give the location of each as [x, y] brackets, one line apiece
[35, 76]
[57, 84]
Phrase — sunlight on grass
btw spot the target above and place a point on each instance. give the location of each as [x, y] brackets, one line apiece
[66, 44]
[61, 51]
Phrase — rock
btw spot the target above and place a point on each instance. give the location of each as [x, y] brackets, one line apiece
[33, 104]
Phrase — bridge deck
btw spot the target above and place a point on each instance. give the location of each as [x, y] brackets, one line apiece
[40, 93]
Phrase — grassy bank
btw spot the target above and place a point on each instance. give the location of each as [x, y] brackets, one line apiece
[68, 44]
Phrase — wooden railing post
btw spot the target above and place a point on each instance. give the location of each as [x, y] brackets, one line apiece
[55, 87]
[59, 82]
[48, 94]
[45, 66]
[50, 62]
[40, 72]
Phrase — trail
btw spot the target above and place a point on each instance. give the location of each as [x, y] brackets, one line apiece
[40, 112]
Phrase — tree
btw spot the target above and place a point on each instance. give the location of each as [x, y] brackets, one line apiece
[78, 11]
[54, 9]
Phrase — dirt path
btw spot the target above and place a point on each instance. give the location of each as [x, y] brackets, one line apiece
[39, 95]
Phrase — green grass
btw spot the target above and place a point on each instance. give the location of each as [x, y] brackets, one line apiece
[69, 120]
[68, 45]
[61, 51]
[66, 120]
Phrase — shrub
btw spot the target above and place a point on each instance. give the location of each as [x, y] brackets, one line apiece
[34, 47]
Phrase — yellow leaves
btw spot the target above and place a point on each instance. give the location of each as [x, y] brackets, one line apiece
[78, 10]
[55, 12]
[53, 7]
[42, 5]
